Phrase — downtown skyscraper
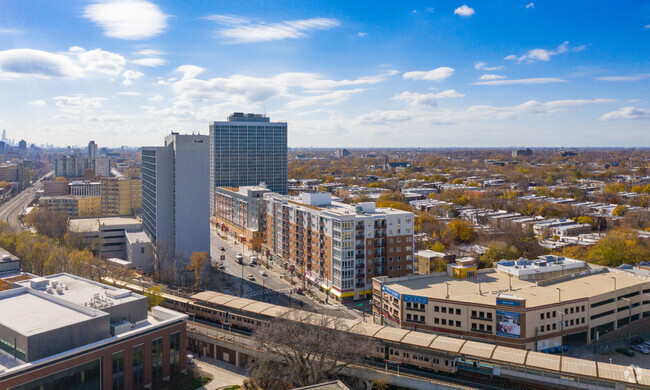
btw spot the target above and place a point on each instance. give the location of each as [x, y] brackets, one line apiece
[246, 150]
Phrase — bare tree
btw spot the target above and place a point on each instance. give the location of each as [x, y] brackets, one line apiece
[303, 349]
[161, 254]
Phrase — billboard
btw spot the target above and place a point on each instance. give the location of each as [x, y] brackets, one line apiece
[508, 303]
[416, 299]
[508, 324]
[390, 292]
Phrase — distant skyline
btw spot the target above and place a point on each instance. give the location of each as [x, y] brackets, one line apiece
[342, 74]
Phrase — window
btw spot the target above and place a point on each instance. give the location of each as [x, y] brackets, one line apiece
[117, 365]
[174, 353]
[457, 312]
[157, 360]
[436, 321]
[137, 367]
[444, 309]
[421, 318]
[444, 321]
[458, 324]
[142, 250]
[473, 313]
[436, 309]
[541, 316]
[408, 317]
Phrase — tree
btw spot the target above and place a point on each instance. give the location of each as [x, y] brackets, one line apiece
[586, 219]
[303, 349]
[498, 251]
[154, 296]
[619, 211]
[620, 246]
[161, 255]
[463, 230]
[198, 261]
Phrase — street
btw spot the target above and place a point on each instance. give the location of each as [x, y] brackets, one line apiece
[10, 211]
[234, 278]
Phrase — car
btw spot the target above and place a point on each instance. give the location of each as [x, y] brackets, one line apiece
[251, 264]
[222, 249]
[641, 349]
[253, 259]
[190, 359]
[637, 340]
[625, 351]
[221, 266]
[263, 273]
[251, 277]
[646, 344]
[299, 291]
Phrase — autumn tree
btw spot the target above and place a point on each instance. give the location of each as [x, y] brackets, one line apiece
[303, 349]
[498, 251]
[198, 261]
[620, 246]
[154, 296]
[463, 231]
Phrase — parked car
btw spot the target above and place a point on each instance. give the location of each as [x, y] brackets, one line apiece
[641, 349]
[625, 351]
[251, 264]
[298, 291]
[646, 344]
[637, 340]
[263, 273]
[222, 249]
[251, 277]
[190, 359]
[254, 260]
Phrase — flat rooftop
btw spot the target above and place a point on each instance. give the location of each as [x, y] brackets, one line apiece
[28, 313]
[495, 283]
[80, 291]
[137, 237]
[82, 225]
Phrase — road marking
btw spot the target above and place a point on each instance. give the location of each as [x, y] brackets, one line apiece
[268, 291]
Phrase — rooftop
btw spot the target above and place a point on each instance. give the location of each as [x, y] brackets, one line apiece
[83, 225]
[494, 284]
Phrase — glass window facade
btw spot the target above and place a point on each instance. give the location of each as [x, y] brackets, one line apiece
[83, 377]
[157, 360]
[175, 353]
[117, 370]
[137, 367]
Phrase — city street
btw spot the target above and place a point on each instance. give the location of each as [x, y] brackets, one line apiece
[10, 211]
[271, 288]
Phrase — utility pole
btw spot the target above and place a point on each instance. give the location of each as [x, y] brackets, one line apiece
[629, 321]
[561, 333]
[559, 294]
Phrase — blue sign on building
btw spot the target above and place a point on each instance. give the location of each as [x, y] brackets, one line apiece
[390, 292]
[508, 303]
[416, 299]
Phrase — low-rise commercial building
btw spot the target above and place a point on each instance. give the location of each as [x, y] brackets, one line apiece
[241, 214]
[105, 236]
[510, 307]
[139, 251]
[337, 246]
[63, 331]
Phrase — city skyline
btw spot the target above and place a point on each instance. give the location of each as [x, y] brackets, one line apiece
[430, 74]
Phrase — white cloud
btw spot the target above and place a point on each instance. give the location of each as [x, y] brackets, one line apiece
[150, 52]
[539, 80]
[628, 112]
[430, 10]
[128, 19]
[329, 98]
[98, 60]
[241, 30]
[633, 77]
[646, 26]
[542, 54]
[131, 75]
[151, 62]
[473, 113]
[78, 103]
[530, 5]
[129, 93]
[464, 10]
[483, 66]
[38, 63]
[39, 103]
[156, 98]
[492, 77]
[415, 99]
[362, 34]
[438, 74]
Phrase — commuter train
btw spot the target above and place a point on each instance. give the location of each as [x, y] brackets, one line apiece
[424, 351]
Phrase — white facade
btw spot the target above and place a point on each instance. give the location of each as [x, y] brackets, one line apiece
[175, 193]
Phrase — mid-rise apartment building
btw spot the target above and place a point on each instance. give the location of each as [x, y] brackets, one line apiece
[121, 196]
[175, 193]
[73, 206]
[85, 188]
[241, 214]
[339, 247]
[66, 332]
[247, 150]
[522, 304]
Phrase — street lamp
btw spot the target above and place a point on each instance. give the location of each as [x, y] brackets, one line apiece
[240, 259]
[629, 320]
[561, 333]
[264, 288]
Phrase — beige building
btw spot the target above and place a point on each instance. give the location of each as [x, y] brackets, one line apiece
[428, 261]
[72, 206]
[121, 196]
[513, 309]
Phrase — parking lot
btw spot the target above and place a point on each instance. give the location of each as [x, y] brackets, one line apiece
[587, 352]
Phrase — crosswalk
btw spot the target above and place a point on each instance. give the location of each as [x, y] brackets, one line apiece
[268, 291]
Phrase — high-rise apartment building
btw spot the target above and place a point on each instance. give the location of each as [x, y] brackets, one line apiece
[22, 145]
[339, 247]
[175, 193]
[247, 150]
[241, 214]
[92, 149]
[121, 196]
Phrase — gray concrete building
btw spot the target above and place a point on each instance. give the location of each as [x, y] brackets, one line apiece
[246, 150]
[175, 192]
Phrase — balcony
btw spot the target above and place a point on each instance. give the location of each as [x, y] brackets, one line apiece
[360, 247]
[360, 256]
[359, 237]
[360, 265]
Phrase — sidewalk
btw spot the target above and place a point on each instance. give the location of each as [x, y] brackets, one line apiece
[224, 374]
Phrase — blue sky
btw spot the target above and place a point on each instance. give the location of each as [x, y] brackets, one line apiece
[342, 73]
